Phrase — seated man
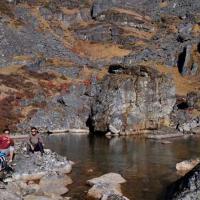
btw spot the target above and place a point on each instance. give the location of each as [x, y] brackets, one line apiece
[7, 144]
[35, 142]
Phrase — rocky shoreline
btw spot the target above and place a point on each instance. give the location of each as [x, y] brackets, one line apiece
[47, 177]
[36, 177]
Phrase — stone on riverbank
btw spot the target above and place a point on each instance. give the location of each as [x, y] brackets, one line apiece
[187, 187]
[106, 185]
[186, 165]
[112, 178]
[38, 177]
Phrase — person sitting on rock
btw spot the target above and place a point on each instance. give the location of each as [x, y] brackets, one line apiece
[7, 145]
[35, 142]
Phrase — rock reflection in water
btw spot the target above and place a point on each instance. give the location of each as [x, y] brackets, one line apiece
[147, 165]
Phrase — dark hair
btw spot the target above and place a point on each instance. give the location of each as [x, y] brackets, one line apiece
[6, 129]
[33, 128]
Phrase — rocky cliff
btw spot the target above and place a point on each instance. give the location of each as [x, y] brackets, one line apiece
[103, 64]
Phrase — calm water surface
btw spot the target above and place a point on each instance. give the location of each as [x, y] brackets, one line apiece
[147, 165]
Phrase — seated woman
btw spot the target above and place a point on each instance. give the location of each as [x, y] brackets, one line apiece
[7, 144]
[35, 142]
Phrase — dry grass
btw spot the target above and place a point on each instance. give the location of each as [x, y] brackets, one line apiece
[196, 30]
[4, 90]
[131, 31]
[22, 58]
[57, 62]
[163, 4]
[102, 73]
[10, 69]
[5, 9]
[98, 50]
[70, 11]
[184, 84]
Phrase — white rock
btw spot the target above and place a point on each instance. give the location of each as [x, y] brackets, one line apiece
[113, 129]
[112, 178]
[187, 165]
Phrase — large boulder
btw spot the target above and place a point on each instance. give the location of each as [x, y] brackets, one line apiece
[187, 187]
[136, 99]
[106, 186]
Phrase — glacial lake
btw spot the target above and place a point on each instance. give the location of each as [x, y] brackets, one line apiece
[147, 165]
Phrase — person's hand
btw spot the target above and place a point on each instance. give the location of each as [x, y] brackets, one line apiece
[32, 147]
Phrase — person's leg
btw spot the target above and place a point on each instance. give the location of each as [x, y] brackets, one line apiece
[29, 149]
[39, 147]
[11, 153]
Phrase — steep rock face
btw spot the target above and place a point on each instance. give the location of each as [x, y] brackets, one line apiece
[63, 112]
[187, 187]
[137, 99]
[62, 38]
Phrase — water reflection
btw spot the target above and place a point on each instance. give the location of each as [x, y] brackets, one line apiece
[147, 165]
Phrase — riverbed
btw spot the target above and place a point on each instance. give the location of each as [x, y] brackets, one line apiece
[147, 165]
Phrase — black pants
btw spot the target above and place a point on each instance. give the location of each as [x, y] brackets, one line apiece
[37, 147]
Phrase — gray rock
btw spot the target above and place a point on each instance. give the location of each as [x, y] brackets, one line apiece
[187, 187]
[193, 100]
[55, 185]
[96, 33]
[5, 195]
[194, 69]
[64, 112]
[106, 185]
[189, 125]
[112, 178]
[103, 189]
[114, 197]
[140, 99]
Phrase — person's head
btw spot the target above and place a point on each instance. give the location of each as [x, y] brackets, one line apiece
[6, 131]
[34, 131]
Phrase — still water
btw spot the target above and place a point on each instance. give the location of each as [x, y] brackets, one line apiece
[147, 165]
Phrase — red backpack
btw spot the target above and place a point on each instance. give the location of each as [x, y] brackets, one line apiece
[5, 142]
